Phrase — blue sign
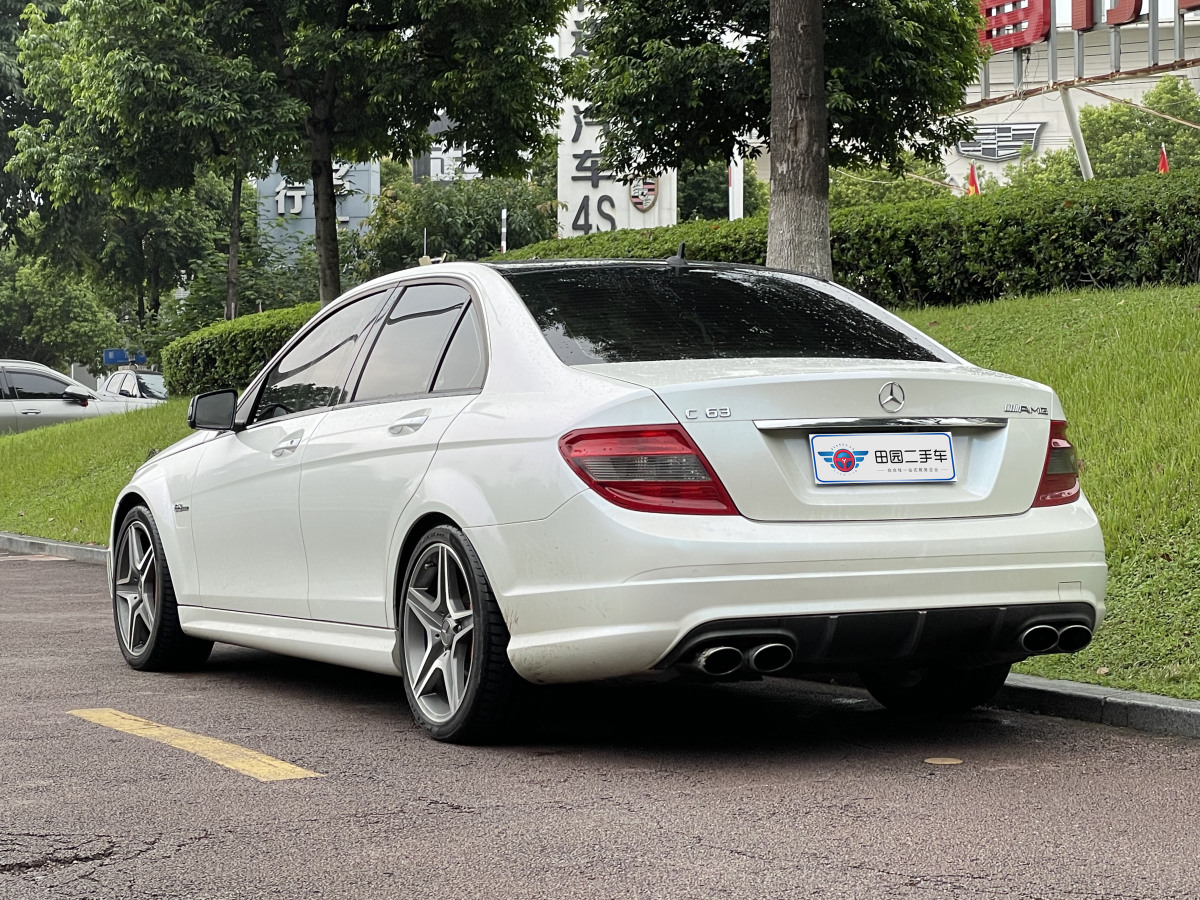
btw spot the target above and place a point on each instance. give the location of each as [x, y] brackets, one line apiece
[118, 357]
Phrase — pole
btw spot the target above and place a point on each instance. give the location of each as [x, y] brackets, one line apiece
[737, 188]
[1085, 164]
[504, 230]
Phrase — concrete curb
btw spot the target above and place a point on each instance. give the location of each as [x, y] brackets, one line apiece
[1021, 693]
[1095, 703]
[20, 543]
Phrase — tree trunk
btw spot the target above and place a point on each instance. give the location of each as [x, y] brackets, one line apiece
[235, 235]
[798, 223]
[320, 132]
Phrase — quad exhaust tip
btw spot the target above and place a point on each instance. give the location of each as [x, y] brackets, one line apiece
[719, 660]
[1049, 638]
[768, 658]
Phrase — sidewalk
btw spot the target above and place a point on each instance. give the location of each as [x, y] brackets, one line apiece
[1021, 693]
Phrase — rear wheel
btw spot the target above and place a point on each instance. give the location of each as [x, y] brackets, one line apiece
[144, 608]
[454, 643]
[937, 690]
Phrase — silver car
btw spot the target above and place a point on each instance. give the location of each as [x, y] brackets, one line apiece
[33, 395]
[134, 389]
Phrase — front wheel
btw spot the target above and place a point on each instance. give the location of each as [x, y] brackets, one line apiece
[144, 608]
[453, 640]
[937, 690]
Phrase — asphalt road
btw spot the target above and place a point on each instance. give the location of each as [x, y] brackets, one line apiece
[767, 790]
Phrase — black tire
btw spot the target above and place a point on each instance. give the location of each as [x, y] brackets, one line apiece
[935, 691]
[145, 613]
[479, 711]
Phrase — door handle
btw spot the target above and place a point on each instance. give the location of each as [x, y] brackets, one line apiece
[31, 412]
[287, 445]
[408, 425]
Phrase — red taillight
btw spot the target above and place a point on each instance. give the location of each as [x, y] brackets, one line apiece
[1060, 474]
[652, 469]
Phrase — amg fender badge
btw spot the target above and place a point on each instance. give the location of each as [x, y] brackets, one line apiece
[1031, 410]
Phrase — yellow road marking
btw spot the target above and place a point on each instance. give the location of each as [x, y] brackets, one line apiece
[240, 759]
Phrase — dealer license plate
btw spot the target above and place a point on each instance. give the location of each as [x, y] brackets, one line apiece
[882, 458]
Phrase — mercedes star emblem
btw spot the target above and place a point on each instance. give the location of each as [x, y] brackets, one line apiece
[891, 397]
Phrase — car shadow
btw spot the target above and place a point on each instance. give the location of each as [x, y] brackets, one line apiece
[763, 718]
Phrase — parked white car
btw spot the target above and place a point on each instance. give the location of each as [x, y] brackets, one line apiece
[134, 389]
[33, 395]
[472, 474]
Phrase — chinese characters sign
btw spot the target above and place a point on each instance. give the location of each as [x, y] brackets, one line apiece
[290, 203]
[882, 458]
[594, 197]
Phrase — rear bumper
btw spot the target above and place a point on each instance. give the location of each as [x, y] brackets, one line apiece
[595, 591]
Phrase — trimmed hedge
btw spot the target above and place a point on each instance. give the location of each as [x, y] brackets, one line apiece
[1109, 233]
[229, 354]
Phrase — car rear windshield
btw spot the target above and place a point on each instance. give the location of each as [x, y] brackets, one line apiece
[615, 313]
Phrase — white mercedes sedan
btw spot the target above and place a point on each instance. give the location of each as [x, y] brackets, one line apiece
[474, 475]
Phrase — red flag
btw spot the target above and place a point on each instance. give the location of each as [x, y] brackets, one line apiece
[1163, 166]
[972, 183]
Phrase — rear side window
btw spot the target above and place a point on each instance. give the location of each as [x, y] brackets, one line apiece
[35, 386]
[640, 313]
[412, 341]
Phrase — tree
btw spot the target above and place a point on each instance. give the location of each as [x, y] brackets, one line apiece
[684, 82]
[704, 192]
[859, 185]
[460, 218]
[1033, 171]
[51, 316]
[1123, 141]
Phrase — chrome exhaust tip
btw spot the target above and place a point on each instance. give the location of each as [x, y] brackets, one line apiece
[719, 660]
[1039, 639]
[1074, 637]
[768, 658]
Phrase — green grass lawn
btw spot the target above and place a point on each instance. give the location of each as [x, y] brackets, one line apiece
[1127, 367]
[60, 482]
[1126, 364]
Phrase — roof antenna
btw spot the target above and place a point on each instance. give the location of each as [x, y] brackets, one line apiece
[678, 260]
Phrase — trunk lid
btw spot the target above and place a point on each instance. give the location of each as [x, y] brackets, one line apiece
[753, 420]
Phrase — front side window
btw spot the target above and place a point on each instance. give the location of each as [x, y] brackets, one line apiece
[642, 313]
[36, 386]
[311, 374]
[411, 342]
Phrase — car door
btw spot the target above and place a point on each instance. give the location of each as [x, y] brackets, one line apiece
[8, 409]
[39, 400]
[365, 460]
[244, 513]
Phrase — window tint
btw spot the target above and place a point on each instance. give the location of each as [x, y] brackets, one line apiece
[6, 392]
[36, 386]
[635, 313]
[153, 386]
[411, 341]
[463, 368]
[310, 376]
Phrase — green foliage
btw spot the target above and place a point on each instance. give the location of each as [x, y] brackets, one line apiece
[1123, 363]
[704, 192]
[862, 184]
[743, 240]
[686, 81]
[1033, 172]
[230, 354]
[1006, 242]
[1124, 142]
[462, 218]
[60, 482]
[51, 316]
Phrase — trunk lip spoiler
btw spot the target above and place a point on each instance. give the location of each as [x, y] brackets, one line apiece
[880, 423]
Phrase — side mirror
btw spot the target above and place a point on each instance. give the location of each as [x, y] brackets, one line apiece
[76, 395]
[126, 392]
[213, 411]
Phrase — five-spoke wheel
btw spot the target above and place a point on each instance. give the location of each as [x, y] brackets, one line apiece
[452, 637]
[144, 610]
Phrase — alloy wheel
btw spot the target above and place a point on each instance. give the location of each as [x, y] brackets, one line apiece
[136, 588]
[438, 632]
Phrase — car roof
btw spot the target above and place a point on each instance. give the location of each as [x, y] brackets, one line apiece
[527, 265]
[28, 362]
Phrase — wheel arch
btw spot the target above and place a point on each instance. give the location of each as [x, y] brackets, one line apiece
[416, 531]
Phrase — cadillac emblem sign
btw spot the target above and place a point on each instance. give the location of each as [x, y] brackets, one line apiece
[644, 193]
